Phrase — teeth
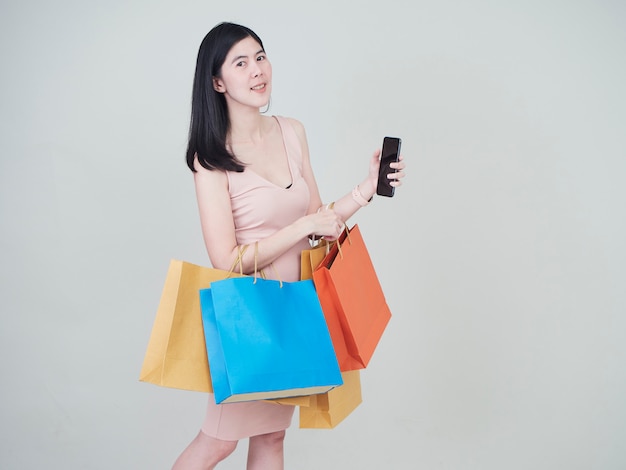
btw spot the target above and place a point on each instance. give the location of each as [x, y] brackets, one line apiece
[258, 87]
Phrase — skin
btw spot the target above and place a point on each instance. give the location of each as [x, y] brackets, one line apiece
[245, 80]
[257, 141]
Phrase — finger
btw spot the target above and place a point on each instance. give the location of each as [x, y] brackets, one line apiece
[375, 161]
[396, 175]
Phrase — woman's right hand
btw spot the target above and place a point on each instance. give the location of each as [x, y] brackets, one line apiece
[325, 223]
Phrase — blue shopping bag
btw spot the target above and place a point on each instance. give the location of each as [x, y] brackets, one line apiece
[266, 339]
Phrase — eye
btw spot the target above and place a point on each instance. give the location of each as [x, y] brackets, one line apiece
[260, 58]
[240, 64]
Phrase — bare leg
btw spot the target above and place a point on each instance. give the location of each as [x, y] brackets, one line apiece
[265, 452]
[204, 453]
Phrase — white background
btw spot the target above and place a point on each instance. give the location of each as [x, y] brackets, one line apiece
[502, 256]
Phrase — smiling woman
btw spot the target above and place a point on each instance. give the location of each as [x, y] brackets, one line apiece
[246, 76]
[254, 184]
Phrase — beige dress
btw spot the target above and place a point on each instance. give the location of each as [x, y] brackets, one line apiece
[261, 208]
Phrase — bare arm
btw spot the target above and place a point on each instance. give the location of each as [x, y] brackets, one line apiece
[218, 227]
[347, 205]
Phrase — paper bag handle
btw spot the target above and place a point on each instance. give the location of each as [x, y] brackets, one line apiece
[238, 261]
[256, 254]
[345, 229]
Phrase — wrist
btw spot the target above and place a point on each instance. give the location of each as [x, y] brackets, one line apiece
[367, 188]
[359, 198]
[304, 227]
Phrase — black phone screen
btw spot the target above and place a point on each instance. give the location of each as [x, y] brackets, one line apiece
[390, 153]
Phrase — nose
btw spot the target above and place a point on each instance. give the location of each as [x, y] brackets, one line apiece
[255, 70]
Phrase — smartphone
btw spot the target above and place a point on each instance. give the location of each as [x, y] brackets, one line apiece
[390, 153]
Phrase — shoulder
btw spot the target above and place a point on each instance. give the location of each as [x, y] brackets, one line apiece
[215, 178]
[293, 122]
[296, 125]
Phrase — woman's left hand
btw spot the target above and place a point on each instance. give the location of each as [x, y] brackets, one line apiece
[395, 177]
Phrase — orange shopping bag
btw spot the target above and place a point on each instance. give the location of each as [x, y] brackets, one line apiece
[327, 410]
[352, 300]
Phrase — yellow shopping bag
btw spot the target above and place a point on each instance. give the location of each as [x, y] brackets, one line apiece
[176, 355]
[327, 410]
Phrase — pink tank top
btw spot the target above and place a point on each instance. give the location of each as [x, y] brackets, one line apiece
[260, 208]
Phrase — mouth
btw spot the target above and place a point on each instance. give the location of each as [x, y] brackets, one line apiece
[259, 87]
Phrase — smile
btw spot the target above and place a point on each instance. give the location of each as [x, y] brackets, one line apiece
[258, 87]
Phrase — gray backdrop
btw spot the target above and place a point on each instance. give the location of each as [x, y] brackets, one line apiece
[502, 257]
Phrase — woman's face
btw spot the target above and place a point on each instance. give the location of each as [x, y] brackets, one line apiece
[246, 75]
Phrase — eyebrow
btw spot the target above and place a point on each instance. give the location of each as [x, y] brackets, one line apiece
[239, 57]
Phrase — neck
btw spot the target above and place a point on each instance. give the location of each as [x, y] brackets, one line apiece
[246, 124]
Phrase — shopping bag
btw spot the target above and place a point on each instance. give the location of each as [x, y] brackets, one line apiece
[311, 258]
[352, 299]
[266, 339]
[303, 400]
[327, 410]
[176, 355]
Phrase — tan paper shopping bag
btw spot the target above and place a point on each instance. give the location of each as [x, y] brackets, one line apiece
[176, 354]
[311, 258]
[327, 410]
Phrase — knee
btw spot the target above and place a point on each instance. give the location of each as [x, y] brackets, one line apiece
[272, 439]
[204, 452]
[223, 449]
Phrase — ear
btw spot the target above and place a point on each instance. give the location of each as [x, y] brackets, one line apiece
[218, 85]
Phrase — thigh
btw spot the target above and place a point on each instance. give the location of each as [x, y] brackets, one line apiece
[235, 421]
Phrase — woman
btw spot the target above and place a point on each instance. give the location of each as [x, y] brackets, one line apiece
[254, 182]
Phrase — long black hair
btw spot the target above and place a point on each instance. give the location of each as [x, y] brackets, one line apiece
[209, 113]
